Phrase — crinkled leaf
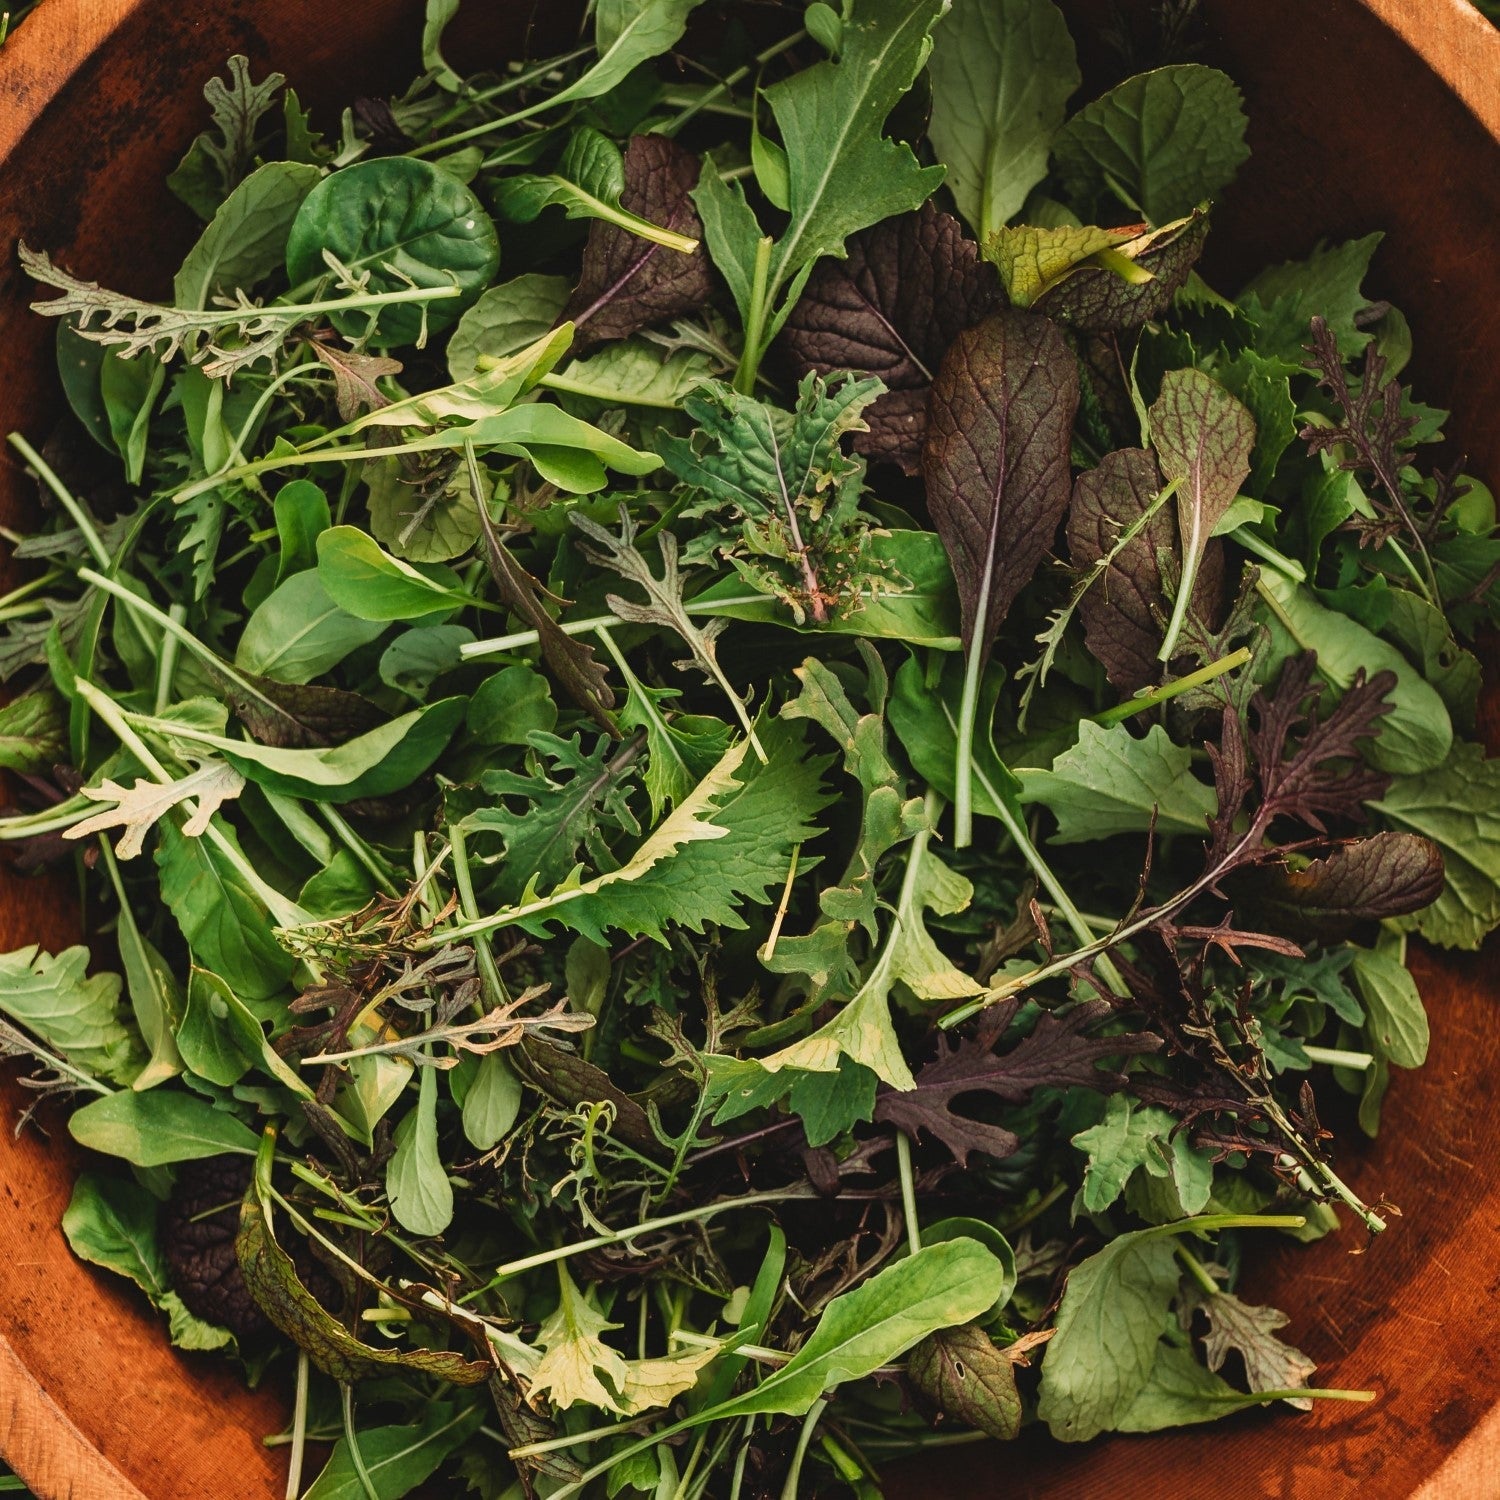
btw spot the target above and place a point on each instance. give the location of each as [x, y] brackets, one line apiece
[1282, 300]
[577, 1366]
[54, 998]
[1002, 73]
[1114, 1310]
[1031, 259]
[628, 283]
[681, 749]
[33, 732]
[964, 1374]
[1111, 782]
[1161, 141]
[890, 308]
[1099, 298]
[996, 460]
[1361, 880]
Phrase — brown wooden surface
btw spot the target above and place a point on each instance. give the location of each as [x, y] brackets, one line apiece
[97, 100]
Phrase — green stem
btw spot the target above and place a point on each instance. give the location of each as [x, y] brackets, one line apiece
[1253, 543]
[963, 757]
[1338, 1057]
[809, 1422]
[495, 990]
[166, 664]
[1197, 1270]
[624, 1236]
[908, 1192]
[81, 518]
[718, 90]
[1169, 690]
[755, 318]
[380, 872]
[299, 1430]
[351, 1437]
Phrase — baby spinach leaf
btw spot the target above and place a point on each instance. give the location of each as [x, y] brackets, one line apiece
[401, 222]
[1111, 782]
[1417, 734]
[628, 282]
[506, 319]
[246, 241]
[159, 1127]
[1002, 74]
[492, 1101]
[33, 732]
[424, 518]
[302, 514]
[55, 999]
[1458, 806]
[1161, 142]
[297, 632]
[415, 1180]
[628, 33]
[890, 308]
[587, 184]
[224, 921]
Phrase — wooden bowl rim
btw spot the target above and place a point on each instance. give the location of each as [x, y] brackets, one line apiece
[37, 1438]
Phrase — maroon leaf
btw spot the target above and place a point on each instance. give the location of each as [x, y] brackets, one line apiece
[909, 286]
[1361, 880]
[995, 461]
[628, 283]
[1122, 610]
[298, 715]
[1095, 299]
[1057, 1054]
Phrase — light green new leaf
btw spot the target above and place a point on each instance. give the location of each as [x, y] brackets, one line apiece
[587, 184]
[368, 583]
[1417, 734]
[1161, 141]
[1114, 1310]
[506, 319]
[1131, 1137]
[1396, 1021]
[298, 633]
[633, 372]
[1111, 782]
[1031, 259]
[680, 750]
[628, 33]
[1458, 807]
[246, 241]
[418, 1187]
[577, 1365]
[160, 1127]
[1002, 73]
[56, 1000]
[492, 1102]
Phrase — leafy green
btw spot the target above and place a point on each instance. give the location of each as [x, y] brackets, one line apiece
[54, 998]
[159, 1127]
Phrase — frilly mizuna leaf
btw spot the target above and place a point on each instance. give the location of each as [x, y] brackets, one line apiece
[628, 283]
[996, 460]
[904, 292]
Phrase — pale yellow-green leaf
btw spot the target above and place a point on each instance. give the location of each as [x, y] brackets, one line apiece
[137, 809]
[577, 1365]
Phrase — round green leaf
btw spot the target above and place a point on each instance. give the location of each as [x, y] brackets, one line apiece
[402, 221]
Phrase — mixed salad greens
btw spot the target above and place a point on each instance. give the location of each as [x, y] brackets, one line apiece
[741, 765]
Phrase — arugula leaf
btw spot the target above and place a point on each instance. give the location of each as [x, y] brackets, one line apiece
[137, 809]
[1111, 782]
[1249, 1331]
[1133, 1136]
[1002, 74]
[399, 1458]
[843, 174]
[79, 1015]
[890, 308]
[1161, 142]
[588, 184]
[627, 282]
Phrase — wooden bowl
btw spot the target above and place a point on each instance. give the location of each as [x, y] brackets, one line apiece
[1365, 114]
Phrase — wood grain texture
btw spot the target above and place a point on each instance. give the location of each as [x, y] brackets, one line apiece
[1351, 132]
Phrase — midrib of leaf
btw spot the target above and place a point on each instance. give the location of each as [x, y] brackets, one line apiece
[788, 257]
[456, 1420]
